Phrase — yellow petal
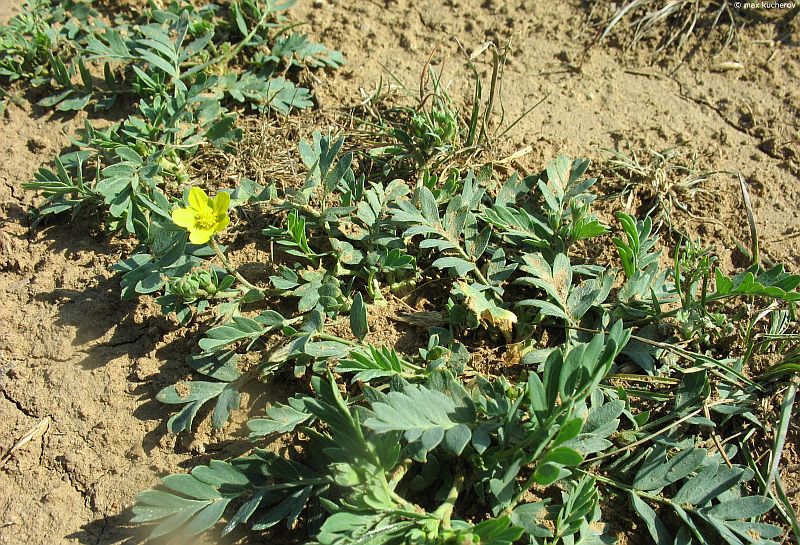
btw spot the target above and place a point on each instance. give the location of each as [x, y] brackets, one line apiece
[197, 236]
[222, 223]
[198, 199]
[221, 202]
[183, 217]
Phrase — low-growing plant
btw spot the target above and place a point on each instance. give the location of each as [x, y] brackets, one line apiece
[665, 182]
[174, 66]
[609, 381]
[424, 448]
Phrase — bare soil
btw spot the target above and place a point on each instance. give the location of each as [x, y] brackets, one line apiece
[74, 356]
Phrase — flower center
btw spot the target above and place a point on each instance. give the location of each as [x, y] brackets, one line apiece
[205, 220]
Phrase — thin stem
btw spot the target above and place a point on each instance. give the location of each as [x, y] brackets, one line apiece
[334, 338]
[399, 473]
[445, 510]
[492, 89]
[224, 58]
[230, 268]
[652, 497]
[233, 52]
[687, 354]
[620, 486]
[529, 482]
[655, 434]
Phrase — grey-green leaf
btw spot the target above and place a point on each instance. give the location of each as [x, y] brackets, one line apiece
[655, 527]
[657, 472]
[741, 508]
[358, 317]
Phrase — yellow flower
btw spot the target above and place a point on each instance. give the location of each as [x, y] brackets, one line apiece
[205, 216]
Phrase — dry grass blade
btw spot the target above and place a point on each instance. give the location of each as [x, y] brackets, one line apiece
[34, 433]
[620, 14]
[663, 180]
[672, 22]
[748, 205]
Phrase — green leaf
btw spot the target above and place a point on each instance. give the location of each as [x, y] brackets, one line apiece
[548, 473]
[498, 531]
[192, 393]
[229, 399]
[280, 419]
[326, 349]
[206, 517]
[457, 438]
[462, 267]
[239, 329]
[656, 528]
[740, 508]
[658, 472]
[188, 485]
[423, 415]
[373, 363]
[527, 517]
[358, 317]
[187, 391]
[289, 509]
[710, 482]
[564, 456]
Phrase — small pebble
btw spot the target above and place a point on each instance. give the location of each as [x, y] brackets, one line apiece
[136, 452]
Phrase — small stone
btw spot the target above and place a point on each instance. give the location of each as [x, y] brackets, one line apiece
[136, 452]
[197, 447]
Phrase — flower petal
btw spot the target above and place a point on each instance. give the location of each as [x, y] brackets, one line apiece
[198, 200]
[183, 217]
[221, 202]
[222, 223]
[200, 236]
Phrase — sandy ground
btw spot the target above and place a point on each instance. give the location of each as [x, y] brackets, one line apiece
[72, 354]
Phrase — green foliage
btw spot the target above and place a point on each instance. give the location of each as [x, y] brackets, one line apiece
[375, 363]
[708, 498]
[194, 292]
[64, 191]
[396, 455]
[421, 137]
[773, 284]
[566, 301]
[560, 218]
[429, 440]
[636, 252]
[27, 39]
[164, 63]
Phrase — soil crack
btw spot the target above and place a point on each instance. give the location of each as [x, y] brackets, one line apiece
[18, 405]
[142, 333]
[702, 102]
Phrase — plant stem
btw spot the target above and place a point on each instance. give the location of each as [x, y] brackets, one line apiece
[654, 434]
[334, 338]
[230, 268]
[445, 511]
[399, 473]
[235, 51]
[529, 482]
